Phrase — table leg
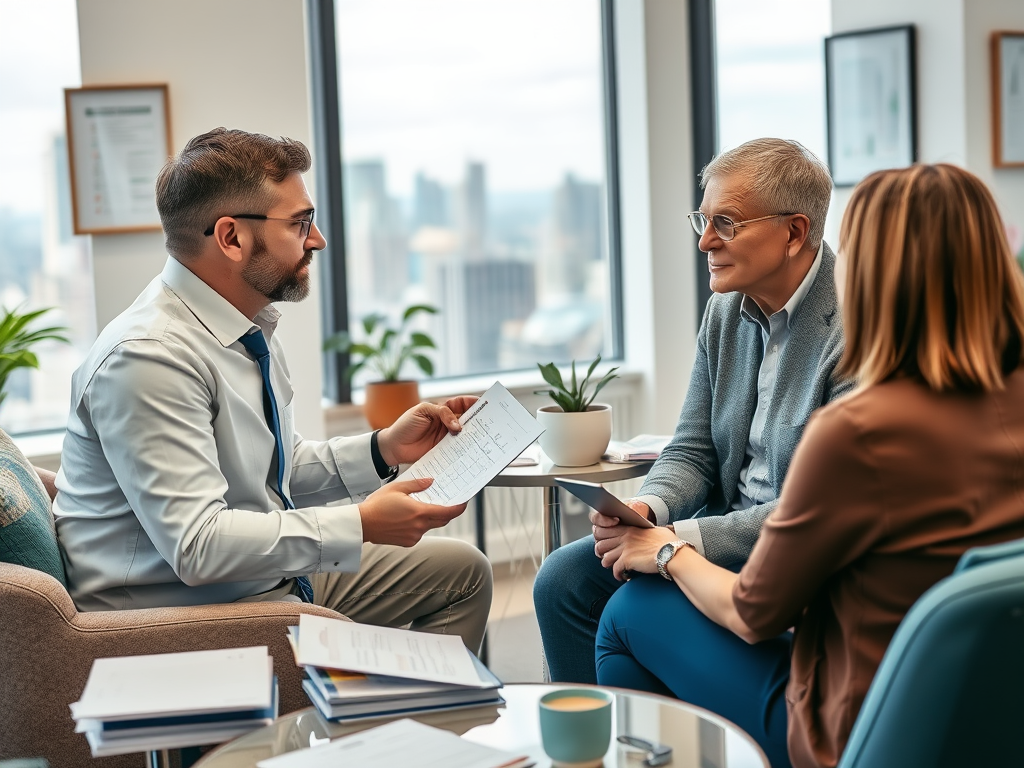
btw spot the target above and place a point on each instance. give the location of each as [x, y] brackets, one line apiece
[552, 520]
[481, 544]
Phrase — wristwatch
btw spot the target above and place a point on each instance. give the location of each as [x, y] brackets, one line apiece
[667, 552]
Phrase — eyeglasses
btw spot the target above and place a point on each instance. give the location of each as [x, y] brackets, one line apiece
[304, 224]
[724, 226]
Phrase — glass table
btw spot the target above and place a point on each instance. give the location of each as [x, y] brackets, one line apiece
[698, 738]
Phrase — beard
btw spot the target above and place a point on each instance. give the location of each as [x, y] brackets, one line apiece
[274, 280]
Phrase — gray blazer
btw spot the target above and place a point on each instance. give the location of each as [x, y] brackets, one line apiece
[698, 473]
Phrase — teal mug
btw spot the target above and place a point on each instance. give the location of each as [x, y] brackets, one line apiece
[576, 726]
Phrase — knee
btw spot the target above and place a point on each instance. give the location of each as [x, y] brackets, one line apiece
[562, 578]
[465, 564]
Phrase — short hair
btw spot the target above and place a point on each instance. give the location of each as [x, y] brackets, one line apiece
[220, 173]
[932, 290]
[784, 175]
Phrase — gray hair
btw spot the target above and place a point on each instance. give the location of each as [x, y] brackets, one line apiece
[785, 176]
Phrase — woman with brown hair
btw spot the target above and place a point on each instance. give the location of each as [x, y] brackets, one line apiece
[887, 489]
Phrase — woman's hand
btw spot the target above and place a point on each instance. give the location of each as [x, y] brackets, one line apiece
[421, 428]
[631, 549]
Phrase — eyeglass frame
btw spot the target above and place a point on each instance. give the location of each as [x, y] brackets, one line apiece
[735, 224]
[263, 217]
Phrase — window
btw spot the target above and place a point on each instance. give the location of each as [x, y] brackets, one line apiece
[473, 143]
[41, 263]
[771, 71]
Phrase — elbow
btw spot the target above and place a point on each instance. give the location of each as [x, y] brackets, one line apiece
[745, 632]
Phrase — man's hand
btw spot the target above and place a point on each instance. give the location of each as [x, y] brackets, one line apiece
[610, 528]
[391, 516]
[421, 428]
[633, 549]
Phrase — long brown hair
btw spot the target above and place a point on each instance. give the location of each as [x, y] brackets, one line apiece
[932, 290]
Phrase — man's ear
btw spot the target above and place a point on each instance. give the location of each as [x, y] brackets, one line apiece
[230, 239]
[798, 229]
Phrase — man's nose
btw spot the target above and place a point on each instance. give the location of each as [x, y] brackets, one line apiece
[709, 239]
[319, 242]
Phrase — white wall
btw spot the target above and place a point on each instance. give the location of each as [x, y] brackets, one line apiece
[233, 63]
[655, 160]
[953, 84]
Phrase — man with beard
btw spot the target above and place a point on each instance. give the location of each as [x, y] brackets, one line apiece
[182, 479]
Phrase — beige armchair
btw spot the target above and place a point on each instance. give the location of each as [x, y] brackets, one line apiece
[47, 648]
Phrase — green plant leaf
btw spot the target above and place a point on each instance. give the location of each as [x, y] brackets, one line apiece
[417, 308]
[552, 376]
[425, 363]
[354, 368]
[421, 340]
[338, 342]
[600, 385]
[362, 349]
[370, 323]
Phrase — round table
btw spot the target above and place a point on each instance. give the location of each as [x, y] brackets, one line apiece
[543, 474]
[697, 737]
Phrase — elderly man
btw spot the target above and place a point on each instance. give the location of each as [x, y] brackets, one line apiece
[182, 479]
[766, 354]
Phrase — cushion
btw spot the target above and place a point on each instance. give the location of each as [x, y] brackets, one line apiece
[27, 535]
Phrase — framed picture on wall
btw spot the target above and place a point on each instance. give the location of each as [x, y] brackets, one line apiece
[1008, 99]
[871, 103]
[119, 137]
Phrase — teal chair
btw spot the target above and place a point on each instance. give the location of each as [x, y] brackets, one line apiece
[950, 689]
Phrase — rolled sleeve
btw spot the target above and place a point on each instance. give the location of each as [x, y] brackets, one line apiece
[658, 507]
[689, 530]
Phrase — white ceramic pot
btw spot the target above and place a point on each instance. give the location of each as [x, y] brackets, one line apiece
[575, 439]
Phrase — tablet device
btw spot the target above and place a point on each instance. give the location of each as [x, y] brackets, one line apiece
[601, 500]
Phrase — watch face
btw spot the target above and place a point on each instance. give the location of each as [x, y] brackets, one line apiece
[665, 553]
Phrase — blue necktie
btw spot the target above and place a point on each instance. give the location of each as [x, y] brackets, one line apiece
[256, 344]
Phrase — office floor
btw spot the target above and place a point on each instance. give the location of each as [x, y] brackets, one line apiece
[515, 652]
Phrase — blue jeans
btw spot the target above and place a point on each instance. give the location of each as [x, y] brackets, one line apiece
[651, 638]
[569, 594]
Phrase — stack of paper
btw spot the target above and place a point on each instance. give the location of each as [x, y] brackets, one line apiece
[404, 742]
[359, 672]
[165, 701]
[639, 448]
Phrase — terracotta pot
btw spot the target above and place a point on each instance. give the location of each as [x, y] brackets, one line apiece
[387, 400]
[575, 439]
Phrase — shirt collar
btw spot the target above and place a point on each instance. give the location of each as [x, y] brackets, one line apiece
[750, 310]
[211, 309]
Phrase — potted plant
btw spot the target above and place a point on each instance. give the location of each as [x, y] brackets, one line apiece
[576, 430]
[17, 340]
[386, 351]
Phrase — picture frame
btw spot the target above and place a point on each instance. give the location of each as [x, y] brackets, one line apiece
[119, 137]
[871, 101]
[1007, 49]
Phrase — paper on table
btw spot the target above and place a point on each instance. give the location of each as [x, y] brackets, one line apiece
[495, 430]
[126, 687]
[337, 644]
[403, 742]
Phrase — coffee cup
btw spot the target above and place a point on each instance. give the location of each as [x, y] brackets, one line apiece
[576, 726]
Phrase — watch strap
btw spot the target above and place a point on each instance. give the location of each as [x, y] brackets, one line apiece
[667, 552]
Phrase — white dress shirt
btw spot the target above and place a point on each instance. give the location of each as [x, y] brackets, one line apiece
[164, 496]
[754, 487]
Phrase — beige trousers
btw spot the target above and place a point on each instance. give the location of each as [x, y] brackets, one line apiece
[440, 585]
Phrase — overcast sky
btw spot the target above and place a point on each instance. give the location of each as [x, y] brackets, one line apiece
[38, 59]
[430, 84]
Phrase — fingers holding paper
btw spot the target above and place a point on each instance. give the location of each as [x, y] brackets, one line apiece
[421, 428]
[391, 516]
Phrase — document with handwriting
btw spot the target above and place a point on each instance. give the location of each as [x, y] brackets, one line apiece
[337, 644]
[495, 430]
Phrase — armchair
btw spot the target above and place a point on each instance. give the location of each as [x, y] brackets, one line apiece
[47, 648]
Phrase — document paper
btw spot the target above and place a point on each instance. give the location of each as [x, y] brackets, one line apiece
[495, 430]
[337, 644]
[403, 742]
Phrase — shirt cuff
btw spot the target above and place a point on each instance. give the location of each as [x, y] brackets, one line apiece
[355, 465]
[658, 507]
[341, 538]
[688, 530]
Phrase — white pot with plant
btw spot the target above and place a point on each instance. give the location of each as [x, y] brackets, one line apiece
[386, 351]
[576, 429]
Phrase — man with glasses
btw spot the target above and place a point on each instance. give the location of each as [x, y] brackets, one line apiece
[182, 479]
[766, 355]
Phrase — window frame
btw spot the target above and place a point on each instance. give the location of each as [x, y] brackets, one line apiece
[329, 157]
